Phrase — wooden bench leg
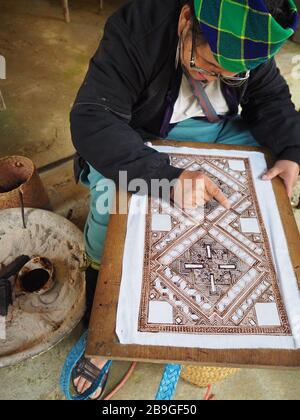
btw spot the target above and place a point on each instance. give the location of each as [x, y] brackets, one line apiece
[66, 10]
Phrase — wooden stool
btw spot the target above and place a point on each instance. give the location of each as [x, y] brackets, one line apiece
[66, 9]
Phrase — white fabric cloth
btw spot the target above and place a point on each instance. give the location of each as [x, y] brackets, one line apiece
[132, 276]
[187, 106]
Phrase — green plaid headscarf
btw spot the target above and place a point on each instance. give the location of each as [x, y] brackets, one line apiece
[242, 33]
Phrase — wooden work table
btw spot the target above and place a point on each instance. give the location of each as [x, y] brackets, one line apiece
[103, 341]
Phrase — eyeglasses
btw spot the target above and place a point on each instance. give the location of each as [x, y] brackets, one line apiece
[235, 81]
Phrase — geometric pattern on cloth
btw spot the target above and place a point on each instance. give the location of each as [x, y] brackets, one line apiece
[242, 34]
[211, 272]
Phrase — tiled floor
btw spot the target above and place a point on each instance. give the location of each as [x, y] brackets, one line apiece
[45, 67]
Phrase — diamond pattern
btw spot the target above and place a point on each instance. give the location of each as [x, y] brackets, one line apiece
[210, 271]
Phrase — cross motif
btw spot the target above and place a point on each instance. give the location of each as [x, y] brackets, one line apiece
[209, 253]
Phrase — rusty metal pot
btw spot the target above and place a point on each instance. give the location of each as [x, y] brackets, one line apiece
[37, 276]
[18, 175]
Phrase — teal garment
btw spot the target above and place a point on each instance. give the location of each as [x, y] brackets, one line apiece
[96, 224]
[232, 131]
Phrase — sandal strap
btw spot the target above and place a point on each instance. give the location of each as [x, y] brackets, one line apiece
[72, 360]
[87, 370]
[102, 386]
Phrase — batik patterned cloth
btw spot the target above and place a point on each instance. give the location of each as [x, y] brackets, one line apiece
[242, 33]
[173, 290]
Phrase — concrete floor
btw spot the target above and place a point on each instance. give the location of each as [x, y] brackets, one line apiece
[45, 68]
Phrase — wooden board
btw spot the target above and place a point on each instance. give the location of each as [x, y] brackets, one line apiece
[103, 341]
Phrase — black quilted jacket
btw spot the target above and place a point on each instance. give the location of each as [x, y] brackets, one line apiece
[123, 99]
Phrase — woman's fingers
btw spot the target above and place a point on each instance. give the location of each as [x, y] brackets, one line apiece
[195, 189]
[207, 197]
[271, 174]
[216, 193]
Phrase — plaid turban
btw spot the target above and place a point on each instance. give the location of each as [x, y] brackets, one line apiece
[242, 33]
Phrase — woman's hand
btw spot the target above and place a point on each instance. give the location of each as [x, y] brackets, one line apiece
[194, 189]
[286, 170]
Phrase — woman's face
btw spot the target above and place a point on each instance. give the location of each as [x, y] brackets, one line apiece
[203, 55]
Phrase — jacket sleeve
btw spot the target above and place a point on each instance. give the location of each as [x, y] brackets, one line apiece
[100, 118]
[271, 114]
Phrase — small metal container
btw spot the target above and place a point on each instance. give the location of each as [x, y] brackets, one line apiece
[37, 276]
[18, 175]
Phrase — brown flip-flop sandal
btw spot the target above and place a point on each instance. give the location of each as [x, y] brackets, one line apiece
[87, 370]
